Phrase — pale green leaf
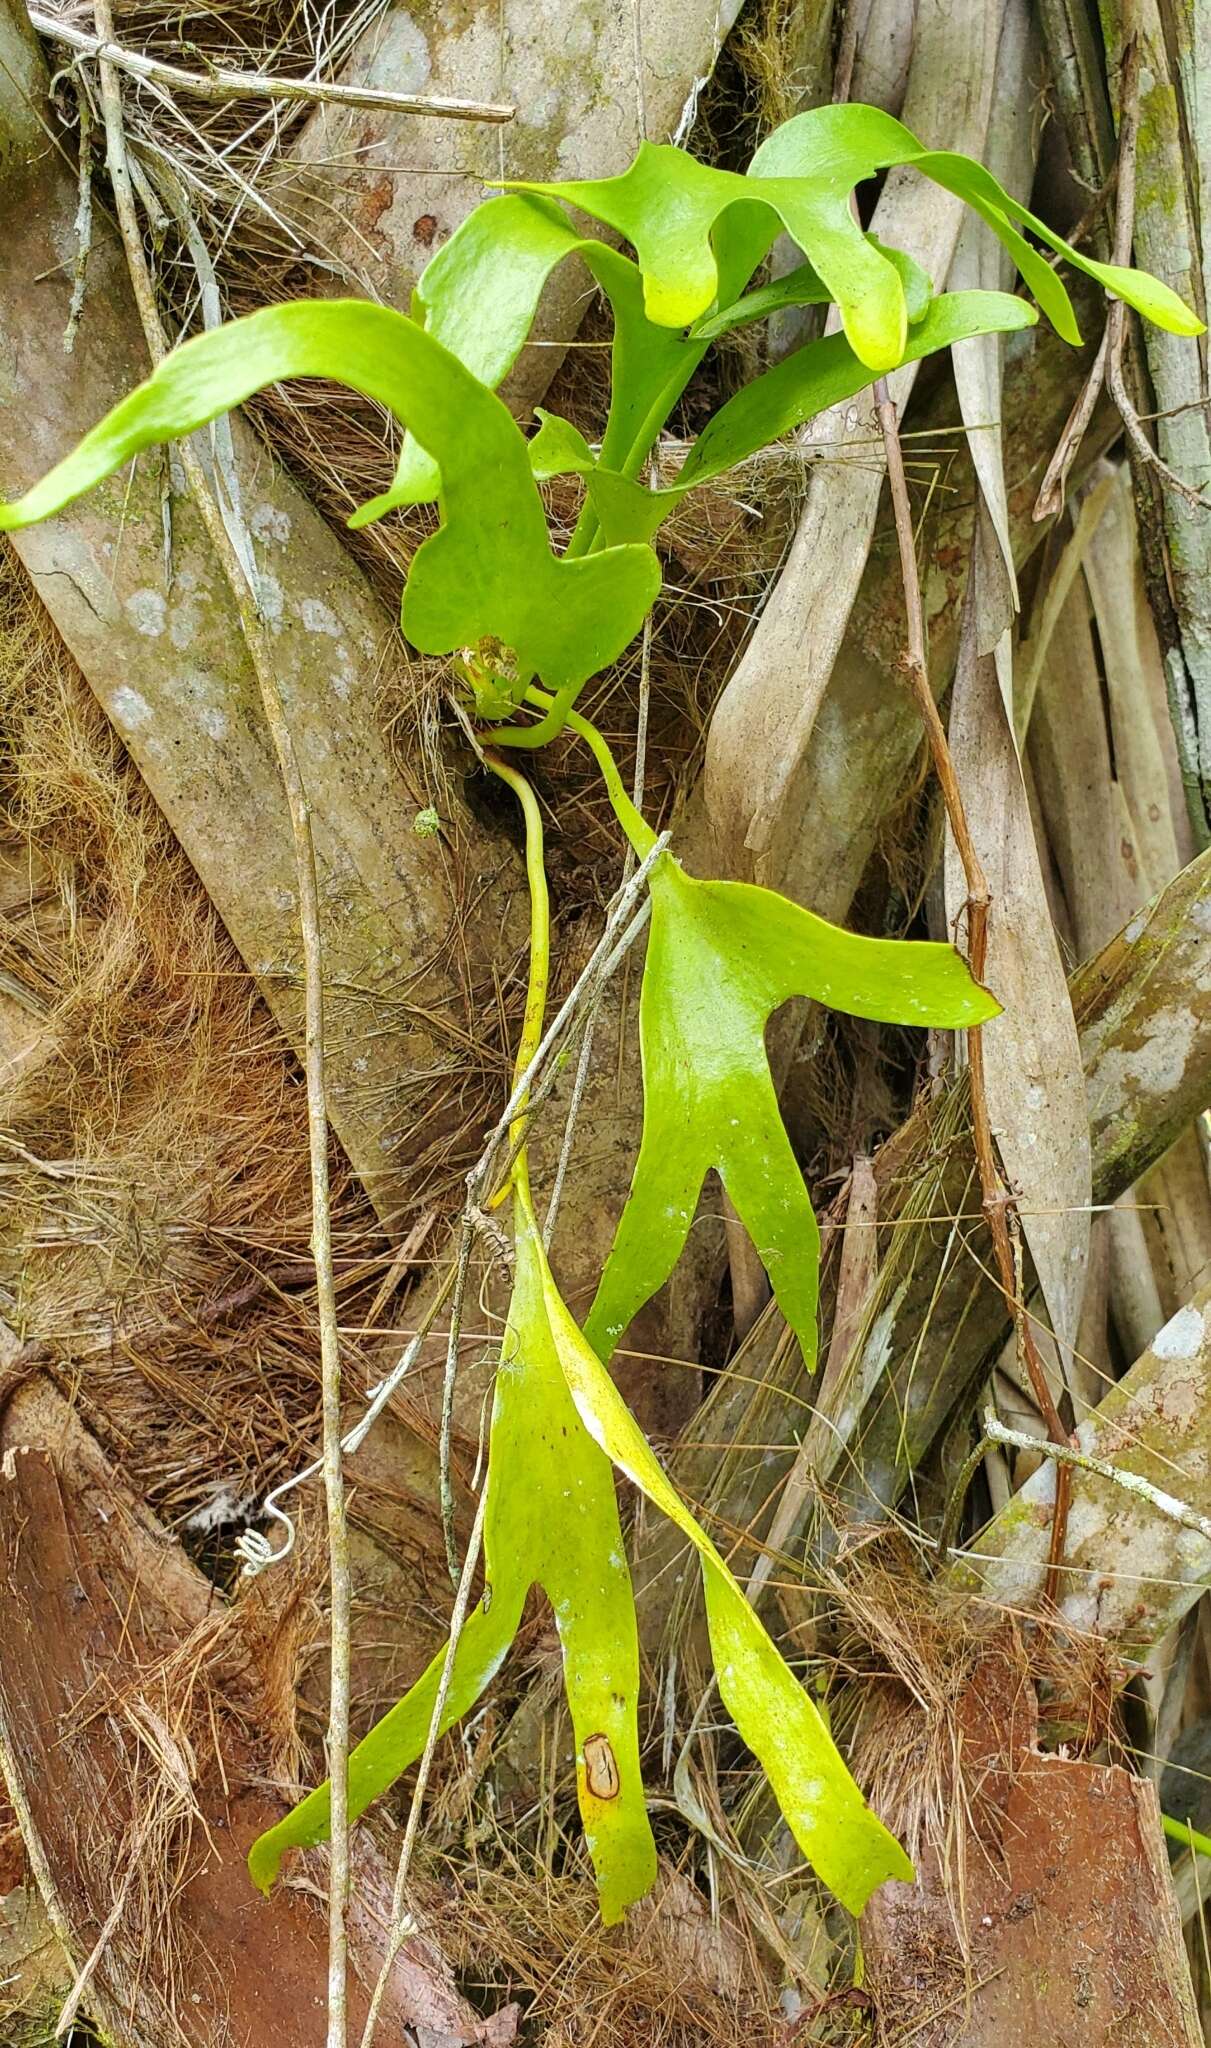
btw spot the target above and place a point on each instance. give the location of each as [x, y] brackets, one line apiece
[722, 956]
[559, 448]
[552, 1521]
[478, 296]
[671, 208]
[803, 286]
[844, 1841]
[489, 573]
[822, 374]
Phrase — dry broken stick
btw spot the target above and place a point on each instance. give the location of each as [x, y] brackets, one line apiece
[340, 1591]
[998, 1203]
[401, 1921]
[221, 85]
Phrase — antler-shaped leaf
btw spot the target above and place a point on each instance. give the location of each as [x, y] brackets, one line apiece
[552, 1521]
[488, 573]
[479, 293]
[845, 1842]
[721, 958]
[804, 286]
[670, 208]
[805, 383]
[478, 296]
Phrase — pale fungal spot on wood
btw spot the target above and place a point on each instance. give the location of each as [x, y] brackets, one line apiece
[1182, 1336]
[129, 711]
[320, 618]
[147, 612]
[271, 523]
[600, 1769]
[1156, 1066]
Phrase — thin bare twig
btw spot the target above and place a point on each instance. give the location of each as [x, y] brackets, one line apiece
[83, 223]
[1053, 488]
[221, 85]
[313, 991]
[466, 1244]
[1107, 367]
[1167, 1504]
[585, 1061]
[401, 1922]
[998, 1204]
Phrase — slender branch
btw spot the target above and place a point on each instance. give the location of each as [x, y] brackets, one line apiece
[999, 1206]
[1167, 1504]
[401, 1921]
[313, 996]
[583, 1065]
[221, 85]
[83, 224]
[600, 964]
[1107, 366]
[579, 1089]
[445, 1481]
[1050, 500]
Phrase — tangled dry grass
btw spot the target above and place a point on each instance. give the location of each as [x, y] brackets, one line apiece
[154, 1159]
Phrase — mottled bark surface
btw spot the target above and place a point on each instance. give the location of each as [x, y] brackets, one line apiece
[1043, 1911]
[1171, 211]
[1144, 1011]
[1130, 1571]
[132, 1722]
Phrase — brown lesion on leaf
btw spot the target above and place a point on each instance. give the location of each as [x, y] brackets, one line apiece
[601, 1768]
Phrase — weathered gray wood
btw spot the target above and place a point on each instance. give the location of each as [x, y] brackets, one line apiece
[765, 719]
[1171, 214]
[1130, 1571]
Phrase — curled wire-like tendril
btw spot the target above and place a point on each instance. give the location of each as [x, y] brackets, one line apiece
[253, 1547]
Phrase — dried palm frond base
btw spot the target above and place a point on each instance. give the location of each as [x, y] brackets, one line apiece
[1043, 1905]
[671, 1978]
[146, 1740]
